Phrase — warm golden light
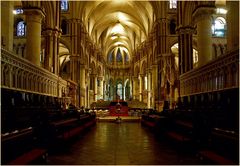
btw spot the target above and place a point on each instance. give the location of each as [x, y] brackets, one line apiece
[118, 43]
[114, 37]
[118, 29]
[122, 16]
[221, 11]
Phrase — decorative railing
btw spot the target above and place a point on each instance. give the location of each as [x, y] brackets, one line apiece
[219, 74]
[20, 74]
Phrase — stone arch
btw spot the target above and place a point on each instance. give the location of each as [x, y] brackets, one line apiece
[99, 70]
[66, 43]
[136, 70]
[188, 9]
[143, 67]
[7, 75]
[49, 7]
[64, 25]
[172, 26]
[93, 67]
[64, 57]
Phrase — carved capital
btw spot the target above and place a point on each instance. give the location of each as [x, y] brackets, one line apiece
[185, 29]
[34, 14]
[100, 78]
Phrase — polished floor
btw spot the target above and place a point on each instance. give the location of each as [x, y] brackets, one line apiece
[126, 143]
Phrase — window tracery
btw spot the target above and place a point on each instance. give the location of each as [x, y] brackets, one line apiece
[21, 28]
[173, 4]
[64, 5]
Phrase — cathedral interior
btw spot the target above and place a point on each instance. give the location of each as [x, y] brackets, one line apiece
[79, 78]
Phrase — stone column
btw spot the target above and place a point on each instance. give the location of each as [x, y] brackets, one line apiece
[140, 87]
[7, 19]
[101, 87]
[51, 60]
[202, 16]
[185, 48]
[232, 25]
[130, 87]
[87, 99]
[161, 27]
[154, 83]
[73, 67]
[135, 81]
[33, 33]
[149, 89]
[82, 85]
[104, 90]
[56, 37]
[95, 87]
[75, 27]
[48, 63]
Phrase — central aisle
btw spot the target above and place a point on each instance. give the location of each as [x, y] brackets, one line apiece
[125, 143]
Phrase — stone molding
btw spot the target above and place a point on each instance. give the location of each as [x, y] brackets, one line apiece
[203, 79]
[36, 79]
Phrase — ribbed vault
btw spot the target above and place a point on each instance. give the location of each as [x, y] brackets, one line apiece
[122, 24]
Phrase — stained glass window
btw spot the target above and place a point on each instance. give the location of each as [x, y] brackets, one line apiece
[18, 11]
[21, 28]
[195, 58]
[110, 57]
[119, 56]
[218, 27]
[173, 4]
[126, 57]
[64, 5]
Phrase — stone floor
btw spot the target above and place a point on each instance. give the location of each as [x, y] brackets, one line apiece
[126, 143]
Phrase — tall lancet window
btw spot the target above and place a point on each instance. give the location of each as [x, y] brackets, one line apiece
[119, 56]
[64, 5]
[21, 29]
[126, 57]
[173, 4]
[110, 57]
[219, 27]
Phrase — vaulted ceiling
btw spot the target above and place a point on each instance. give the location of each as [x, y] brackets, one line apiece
[117, 24]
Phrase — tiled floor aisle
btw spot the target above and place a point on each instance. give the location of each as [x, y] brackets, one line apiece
[124, 143]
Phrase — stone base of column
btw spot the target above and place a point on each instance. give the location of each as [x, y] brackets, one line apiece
[82, 101]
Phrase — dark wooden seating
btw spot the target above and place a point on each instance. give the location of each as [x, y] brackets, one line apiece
[16, 143]
[150, 120]
[148, 123]
[75, 131]
[222, 148]
[177, 136]
[29, 157]
[33, 124]
[216, 158]
[184, 123]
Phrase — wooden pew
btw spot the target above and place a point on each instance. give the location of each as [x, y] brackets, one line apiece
[19, 147]
[222, 147]
[30, 156]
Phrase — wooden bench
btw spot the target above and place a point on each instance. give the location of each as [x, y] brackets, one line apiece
[177, 136]
[148, 123]
[184, 123]
[29, 157]
[72, 132]
[90, 123]
[75, 131]
[216, 158]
